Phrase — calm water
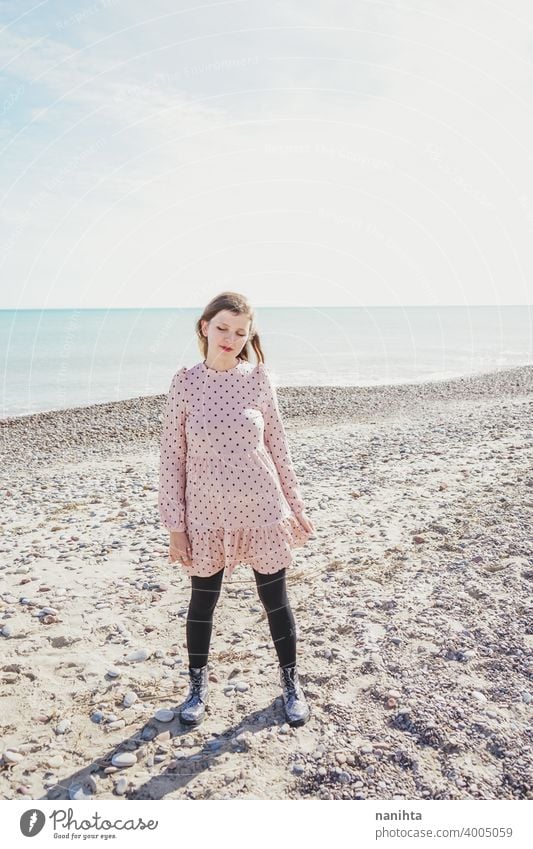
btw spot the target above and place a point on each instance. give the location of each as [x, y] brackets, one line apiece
[55, 359]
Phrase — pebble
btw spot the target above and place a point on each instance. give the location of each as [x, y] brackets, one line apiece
[113, 726]
[468, 654]
[82, 790]
[63, 726]
[124, 759]
[7, 631]
[481, 697]
[121, 786]
[148, 733]
[135, 656]
[12, 757]
[164, 715]
[129, 699]
[113, 673]
[244, 739]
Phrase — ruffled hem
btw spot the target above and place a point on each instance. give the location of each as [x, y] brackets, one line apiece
[267, 549]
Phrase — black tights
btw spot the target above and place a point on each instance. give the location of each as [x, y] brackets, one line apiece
[273, 594]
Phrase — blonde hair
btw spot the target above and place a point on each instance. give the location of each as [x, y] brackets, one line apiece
[238, 305]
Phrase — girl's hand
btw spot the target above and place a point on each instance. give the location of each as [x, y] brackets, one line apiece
[179, 548]
[306, 523]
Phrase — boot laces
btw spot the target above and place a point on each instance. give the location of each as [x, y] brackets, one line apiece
[196, 683]
[289, 681]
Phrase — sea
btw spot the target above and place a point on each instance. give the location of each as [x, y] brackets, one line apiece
[55, 359]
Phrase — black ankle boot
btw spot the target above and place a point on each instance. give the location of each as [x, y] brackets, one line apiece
[193, 710]
[296, 708]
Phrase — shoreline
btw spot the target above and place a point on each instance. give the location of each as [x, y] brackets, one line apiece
[136, 422]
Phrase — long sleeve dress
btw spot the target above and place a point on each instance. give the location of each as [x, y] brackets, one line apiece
[226, 475]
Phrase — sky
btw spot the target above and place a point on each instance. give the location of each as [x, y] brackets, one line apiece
[321, 152]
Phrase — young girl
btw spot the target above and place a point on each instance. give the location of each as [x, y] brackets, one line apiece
[228, 492]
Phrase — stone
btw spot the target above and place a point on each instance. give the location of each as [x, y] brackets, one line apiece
[136, 656]
[164, 715]
[124, 759]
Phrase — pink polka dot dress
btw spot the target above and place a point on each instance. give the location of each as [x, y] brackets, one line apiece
[226, 474]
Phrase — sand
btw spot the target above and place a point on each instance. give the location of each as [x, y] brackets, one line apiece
[412, 602]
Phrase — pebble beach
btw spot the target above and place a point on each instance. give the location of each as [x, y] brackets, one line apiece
[413, 605]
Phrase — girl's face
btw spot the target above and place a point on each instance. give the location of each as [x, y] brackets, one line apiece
[226, 334]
